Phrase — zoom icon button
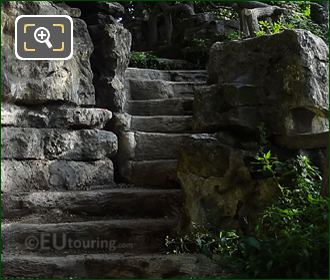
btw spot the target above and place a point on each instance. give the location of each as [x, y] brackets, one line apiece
[43, 37]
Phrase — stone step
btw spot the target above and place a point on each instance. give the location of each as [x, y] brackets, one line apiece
[169, 124]
[125, 202]
[150, 173]
[173, 106]
[55, 175]
[108, 266]
[112, 236]
[48, 143]
[160, 89]
[167, 75]
[150, 145]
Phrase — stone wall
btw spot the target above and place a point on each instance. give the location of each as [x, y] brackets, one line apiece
[112, 43]
[52, 134]
[278, 82]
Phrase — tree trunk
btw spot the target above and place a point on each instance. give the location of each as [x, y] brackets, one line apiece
[152, 29]
[252, 16]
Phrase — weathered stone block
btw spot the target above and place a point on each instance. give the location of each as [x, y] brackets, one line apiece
[33, 82]
[32, 143]
[284, 76]
[53, 116]
[217, 183]
[33, 175]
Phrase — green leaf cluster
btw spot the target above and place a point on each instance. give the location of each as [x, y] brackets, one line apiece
[291, 236]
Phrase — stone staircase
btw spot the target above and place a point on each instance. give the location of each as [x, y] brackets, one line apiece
[111, 230]
[158, 119]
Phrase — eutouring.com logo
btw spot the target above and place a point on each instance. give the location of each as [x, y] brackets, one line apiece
[59, 242]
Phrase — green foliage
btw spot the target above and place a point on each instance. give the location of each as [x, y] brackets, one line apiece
[272, 28]
[147, 60]
[226, 14]
[221, 13]
[198, 240]
[298, 18]
[291, 236]
[197, 51]
[234, 35]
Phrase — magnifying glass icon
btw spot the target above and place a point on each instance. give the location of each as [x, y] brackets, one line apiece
[41, 35]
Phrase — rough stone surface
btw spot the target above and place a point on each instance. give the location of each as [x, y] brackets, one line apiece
[150, 173]
[150, 145]
[54, 116]
[173, 106]
[111, 266]
[144, 89]
[110, 60]
[219, 188]
[234, 107]
[285, 75]
[167, 75]
[174, 124]
[32, 82]
[32, 143]
[130, 235]
[32, 175]
[40, 206]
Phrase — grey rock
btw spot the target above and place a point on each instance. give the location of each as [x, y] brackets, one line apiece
[150, 145]
[150, 173]
[122, 266]
[216, 181]
[128, 235]
[285, 75]
[73, 12]
[140, 89]
[173, 106]
[240, 108]
[33, 82]
[32, 143]
[110, 64]
[167, 75]
[152, 203]
[165, 124]
[53, 116]
[33, 175]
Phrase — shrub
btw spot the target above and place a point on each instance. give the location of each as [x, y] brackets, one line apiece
[291, 236]
[147, 60]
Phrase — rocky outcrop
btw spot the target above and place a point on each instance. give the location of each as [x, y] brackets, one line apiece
[57, 174]
[219, 185]
[112, 43]
[41, 82]
[283, 77]
[278, 82]
[49, 139]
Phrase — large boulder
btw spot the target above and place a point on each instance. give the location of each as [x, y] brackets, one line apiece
[276, 84]
[218, 182]
[279, 80]
[32, 82]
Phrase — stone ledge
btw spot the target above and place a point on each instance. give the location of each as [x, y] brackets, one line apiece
[39, 175]
[32, 143]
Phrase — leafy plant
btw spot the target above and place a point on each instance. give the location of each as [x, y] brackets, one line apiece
[298, 18]
[291, 236]
[147, 60]
[272, 28]
[234, 35]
